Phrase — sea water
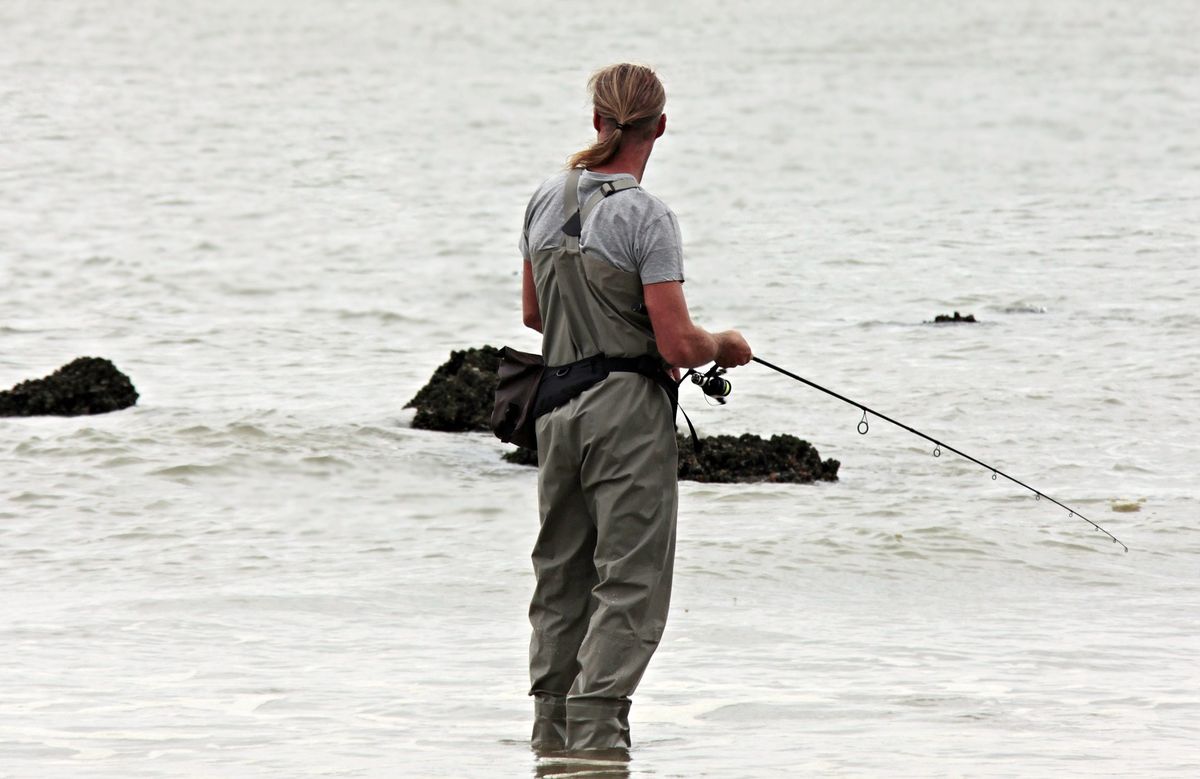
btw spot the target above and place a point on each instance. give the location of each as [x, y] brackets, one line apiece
[279, 218]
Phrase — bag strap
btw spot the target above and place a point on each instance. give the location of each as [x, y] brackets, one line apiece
[697, 446]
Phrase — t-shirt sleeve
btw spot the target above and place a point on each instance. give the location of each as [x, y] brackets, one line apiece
[660, 250]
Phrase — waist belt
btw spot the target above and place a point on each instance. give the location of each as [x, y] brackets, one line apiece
[562, 383]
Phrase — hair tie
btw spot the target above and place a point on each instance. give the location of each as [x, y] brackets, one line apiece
[623, 126]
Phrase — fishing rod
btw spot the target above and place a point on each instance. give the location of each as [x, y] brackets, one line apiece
[714, 385]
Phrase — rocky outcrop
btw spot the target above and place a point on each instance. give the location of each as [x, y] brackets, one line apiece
[460, 394]
[942, 318]
[87, 385]
[746, 458]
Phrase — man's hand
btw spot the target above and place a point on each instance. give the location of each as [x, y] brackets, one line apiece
[732, 349]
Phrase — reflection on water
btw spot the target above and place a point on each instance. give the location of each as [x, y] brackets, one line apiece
[610, 763]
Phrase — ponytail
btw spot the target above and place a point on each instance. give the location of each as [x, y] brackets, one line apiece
[600, 152]
[629, 98]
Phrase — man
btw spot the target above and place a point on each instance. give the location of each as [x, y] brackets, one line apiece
[603, 283]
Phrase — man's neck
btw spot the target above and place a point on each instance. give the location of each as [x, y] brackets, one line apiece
[630, 159]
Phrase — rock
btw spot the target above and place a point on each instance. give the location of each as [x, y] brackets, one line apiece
[87, 385]
[940, 318]
[747, 458]
[460, 394]
[744, 458]
[521, 456]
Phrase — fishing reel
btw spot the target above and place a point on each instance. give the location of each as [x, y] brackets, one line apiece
[713, 384]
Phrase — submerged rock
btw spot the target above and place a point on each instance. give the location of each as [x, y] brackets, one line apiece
[460, 394]
[940, 318]
[87, 385]
[744, 458]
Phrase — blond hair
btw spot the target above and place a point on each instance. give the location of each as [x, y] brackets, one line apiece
[630, 97]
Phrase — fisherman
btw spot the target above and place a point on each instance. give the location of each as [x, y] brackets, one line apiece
[603, 283]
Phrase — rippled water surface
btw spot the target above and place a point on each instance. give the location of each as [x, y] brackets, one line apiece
[278, 218]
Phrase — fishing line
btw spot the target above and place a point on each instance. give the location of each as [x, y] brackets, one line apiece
[938, 446]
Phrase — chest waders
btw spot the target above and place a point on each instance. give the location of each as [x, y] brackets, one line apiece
[607, 497]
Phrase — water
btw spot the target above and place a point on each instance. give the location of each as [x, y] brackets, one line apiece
[278, 220]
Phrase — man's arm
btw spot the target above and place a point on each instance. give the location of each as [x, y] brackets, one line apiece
[682, 343]
[529, 305]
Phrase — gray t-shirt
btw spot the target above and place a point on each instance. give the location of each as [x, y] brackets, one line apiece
[632, 229]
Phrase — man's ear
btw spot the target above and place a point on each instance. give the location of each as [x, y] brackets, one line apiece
[662, 126]
[596, 120]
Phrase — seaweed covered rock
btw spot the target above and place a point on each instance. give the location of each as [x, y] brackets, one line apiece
[750, 458]
[744, 458]
[943, 318]
[521, 456]
[460, 394]
[86, 385]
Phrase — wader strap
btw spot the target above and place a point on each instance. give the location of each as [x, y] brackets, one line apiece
[606, 189]
[571, 193]
[569, 275]
[576, 217]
